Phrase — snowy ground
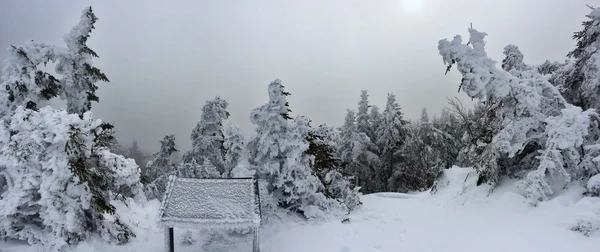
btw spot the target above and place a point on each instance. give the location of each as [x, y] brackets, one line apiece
[459, 217]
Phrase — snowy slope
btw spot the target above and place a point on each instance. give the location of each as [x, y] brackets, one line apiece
[458, 217]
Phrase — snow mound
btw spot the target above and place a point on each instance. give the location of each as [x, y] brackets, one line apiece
[594, 183]
[455, 181]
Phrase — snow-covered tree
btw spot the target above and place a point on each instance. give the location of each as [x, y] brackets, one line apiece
[519, 105]
[550, 67]
[353, 149]
[322, 147]
[513, 59]
[363, 122]
[79, 76]
[271, 122]
[208, 135]
[279, 153]
[391, 137]
[140, 157]
[60, 178]
[23, 83]
[235, 144]
[449, 125]
[159, 168]
[328, 167]
[581, 85]
[424, 115]
[338, 186]
[195, 170]
[560, 157]
[376, 119]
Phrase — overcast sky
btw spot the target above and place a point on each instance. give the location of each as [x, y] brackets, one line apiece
[164, 59]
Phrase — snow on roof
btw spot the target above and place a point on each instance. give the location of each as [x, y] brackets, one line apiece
[210, 203]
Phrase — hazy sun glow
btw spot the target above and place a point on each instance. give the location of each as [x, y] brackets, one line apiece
[411, 6]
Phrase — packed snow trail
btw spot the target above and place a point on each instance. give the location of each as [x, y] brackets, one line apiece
[458, 217]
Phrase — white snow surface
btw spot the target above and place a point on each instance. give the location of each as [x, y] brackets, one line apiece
[458, 217]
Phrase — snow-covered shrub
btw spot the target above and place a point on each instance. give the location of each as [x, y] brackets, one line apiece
[566, 134]
[586, 227]
[593, 186]
[60, 174]
[338, 187]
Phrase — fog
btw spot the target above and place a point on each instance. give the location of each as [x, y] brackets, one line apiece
[164, 59]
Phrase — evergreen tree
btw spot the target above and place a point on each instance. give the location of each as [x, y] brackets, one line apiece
[519, 106]
[450, 128]
[160, 168]
[363, 122]
[355, 154]
[140, 157]
[61, 166]
[235, 144]
[424, 116]
[280, 154]
[322, 147]
[581, 85]
[199, 171]
[513, 59]
[391, 137]
[24, 84]
[62, 177]
[208, 135]
[79, 76]
[376, 119]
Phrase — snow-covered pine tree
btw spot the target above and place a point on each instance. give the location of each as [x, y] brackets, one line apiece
[159, 168]
[549, 68]
[79, 76]
[424, 116]
[519, 103]
[208, 135]
[513, 59]
[339, 187]
[195, 170]
[235, 144]
[581, 86]
[450, 126]
[60, 176]
[560, 157]
[363, 122]
[26, 84]
[391, 135]
[279, 153]
[271, 122]
[364, 125]
[353, 149]
[579, 82]
[23, 83]
[328, 167]
[140, 157]
[375, 118]
[59, 169]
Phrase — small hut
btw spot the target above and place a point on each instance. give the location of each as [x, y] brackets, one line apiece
[207, 204]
